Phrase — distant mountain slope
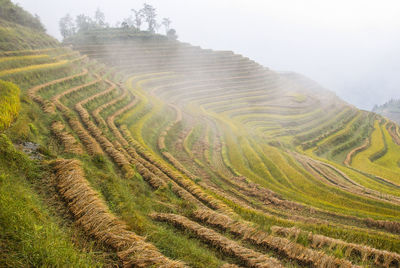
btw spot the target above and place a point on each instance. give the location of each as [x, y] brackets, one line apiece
[310, 85]
[390, 109]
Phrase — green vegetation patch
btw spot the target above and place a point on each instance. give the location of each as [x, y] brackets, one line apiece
[30, 236]
[9, 103]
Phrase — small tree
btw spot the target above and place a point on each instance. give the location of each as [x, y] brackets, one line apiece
[157, 27]
[67, 26]
[124, 25]
[100, 18]
[171, 34]
[128, 22]
[167, 23]
[84, 23]
[37, 24]
[150, 17]
[138, 18]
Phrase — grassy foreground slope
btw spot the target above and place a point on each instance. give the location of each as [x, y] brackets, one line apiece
[179, 156]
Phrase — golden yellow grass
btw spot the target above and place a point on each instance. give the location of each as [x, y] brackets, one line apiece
[33, 67]
[9, 103]
[353, 152]
[27, 57]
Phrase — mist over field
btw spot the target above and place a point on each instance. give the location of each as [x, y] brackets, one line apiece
[349, 47]
[199, 134]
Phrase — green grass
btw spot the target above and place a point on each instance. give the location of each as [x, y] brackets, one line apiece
[5, 73]
[20, 61]
[153, 127]
[392, 155]
[294, 183]
[192, 137]
[386, 166]
[30, 235]
[315, 133]
[340, 136]
[352, 235]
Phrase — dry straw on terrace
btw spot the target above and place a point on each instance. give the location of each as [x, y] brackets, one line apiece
[381, 257]
[96, 112]
[118, 158]
[155, 177]
[94, 217]
[162, 147]
[45, 104]
[248, 256]
[188, 185]
[265, 195]
[67, 139]
[293, 251]
[229, 265]
[108, 147]
[269, 197]
[333, 176]
[91, 145]
[355, 151]
[151, 173]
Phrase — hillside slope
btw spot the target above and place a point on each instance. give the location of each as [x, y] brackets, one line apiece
[135, 150]
[19, 30]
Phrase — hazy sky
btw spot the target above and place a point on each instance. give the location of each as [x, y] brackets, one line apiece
[349, 46]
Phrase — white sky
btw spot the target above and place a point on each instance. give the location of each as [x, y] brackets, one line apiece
[351, 47]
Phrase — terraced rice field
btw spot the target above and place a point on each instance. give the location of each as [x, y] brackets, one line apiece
[180, 156]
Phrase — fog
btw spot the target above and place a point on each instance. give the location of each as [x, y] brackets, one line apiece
[350, 47]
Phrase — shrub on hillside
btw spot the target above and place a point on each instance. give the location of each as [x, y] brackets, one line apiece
[9, 103]
[14, 13]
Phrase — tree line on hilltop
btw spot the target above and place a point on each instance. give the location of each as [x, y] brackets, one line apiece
[139, 20]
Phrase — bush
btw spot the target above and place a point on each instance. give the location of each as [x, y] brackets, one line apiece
[15, 13]
[9, 103]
